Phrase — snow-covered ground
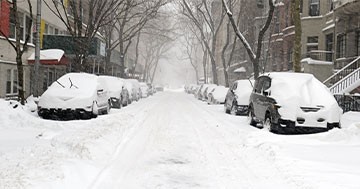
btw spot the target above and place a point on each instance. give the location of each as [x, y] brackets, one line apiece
[171, 140]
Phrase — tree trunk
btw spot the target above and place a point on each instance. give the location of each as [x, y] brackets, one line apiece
[223, 59]
[213, 61]
[205, 55]
[297, 42]
[136, 53]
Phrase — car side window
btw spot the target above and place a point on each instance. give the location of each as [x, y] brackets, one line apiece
[266, 83]
[259, 85]
[234, 86]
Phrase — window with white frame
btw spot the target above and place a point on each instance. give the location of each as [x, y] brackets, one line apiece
[314, 7]
[11, 82]
[24, 22]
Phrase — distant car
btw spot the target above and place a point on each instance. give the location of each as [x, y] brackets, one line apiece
[115, 90]
[293, 102]
[144, 90]
[217, 95]
[159, 88]
[74, 96]
[237, 97]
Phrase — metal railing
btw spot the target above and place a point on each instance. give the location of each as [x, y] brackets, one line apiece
[348, 102]
[345, 77]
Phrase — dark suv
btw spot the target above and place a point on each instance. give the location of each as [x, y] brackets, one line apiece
[292, 102]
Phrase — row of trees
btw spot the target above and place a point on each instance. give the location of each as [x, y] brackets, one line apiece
[204, 19]
[117, 22]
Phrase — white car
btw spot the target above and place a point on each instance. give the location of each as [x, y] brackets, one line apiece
[293, 102]
[135, 92]
[217, 95]
[237, 97]
[74, 96]
[144, 90]
[115, 90]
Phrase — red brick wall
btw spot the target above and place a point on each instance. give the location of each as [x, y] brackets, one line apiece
[4, 17]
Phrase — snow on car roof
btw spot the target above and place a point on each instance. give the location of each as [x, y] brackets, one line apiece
[299, 89]
[79, 83]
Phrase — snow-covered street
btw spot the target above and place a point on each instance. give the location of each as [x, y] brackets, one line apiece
[171, 140]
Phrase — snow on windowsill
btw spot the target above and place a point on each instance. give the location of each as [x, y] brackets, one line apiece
[21, 41]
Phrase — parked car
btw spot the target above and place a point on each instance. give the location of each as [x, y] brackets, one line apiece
[125, 96]
[74, 96]
[293, 102]
[207, 90]
[144, 90]
[135, 92]
[115, 90]
[217, 95]
[237, 97]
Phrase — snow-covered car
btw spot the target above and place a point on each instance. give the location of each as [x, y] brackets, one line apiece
[293, 102]
[237, 97]
[217, 95]
[74, 96]
[115, 87]
[207, 90]
[135, 92]
[144, 90]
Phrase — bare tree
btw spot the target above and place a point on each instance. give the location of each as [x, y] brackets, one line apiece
[158, 36]
[224, 56]
[253, 55]
[18, 47]
[204, 12]
[191, 46]
[295, 7]
[134, 16]
[83, 20]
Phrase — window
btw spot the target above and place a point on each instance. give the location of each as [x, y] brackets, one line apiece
[24, 22]
[340, 46]
[312, 44]
[329, 46]
[11, 82]
[56, 31]
[314, 7]
[313, 39]
[12, 24]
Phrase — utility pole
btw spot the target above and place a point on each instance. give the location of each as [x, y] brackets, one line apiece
[37, 49]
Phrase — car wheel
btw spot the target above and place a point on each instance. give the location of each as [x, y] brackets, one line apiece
[233, 110]
[226, 109]
[269, 125]
[251, 120]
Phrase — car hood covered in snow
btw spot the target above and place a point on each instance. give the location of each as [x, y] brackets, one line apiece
[297, 93]
[73, 90]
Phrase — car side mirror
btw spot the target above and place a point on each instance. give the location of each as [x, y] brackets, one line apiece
[266, 92]
[99, 91]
